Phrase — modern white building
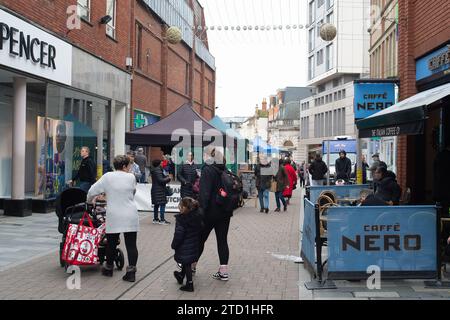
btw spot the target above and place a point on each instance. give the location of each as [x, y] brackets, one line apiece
[332, 68]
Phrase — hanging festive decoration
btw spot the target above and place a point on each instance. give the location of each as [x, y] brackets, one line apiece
[173, 35]
[248, 28]
[328, 32]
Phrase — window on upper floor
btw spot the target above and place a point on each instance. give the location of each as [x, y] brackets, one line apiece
[311, 67]
[111, 11]
[320, 57]
[330, 3]
[311, 12]
[139, 46]
[330, 18]
[84, 9]
[319, 25]
[311, 39]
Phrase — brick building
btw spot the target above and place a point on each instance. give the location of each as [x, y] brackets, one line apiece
[165, 76]
[423, 34]
[421, 119]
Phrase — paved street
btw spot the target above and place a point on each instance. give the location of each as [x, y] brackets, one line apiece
[263, 250]
[259, 247]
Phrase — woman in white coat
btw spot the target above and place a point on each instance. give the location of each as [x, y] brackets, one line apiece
[121, 214]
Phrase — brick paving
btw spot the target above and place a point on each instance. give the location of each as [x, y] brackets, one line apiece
[262, 250]
[254, 270]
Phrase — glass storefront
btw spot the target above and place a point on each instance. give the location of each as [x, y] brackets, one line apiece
[35, 109]
[73, 120]
[59, 122]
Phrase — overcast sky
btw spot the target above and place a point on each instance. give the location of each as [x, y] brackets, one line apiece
[252, 65]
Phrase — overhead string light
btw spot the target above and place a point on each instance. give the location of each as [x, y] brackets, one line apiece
[251, 28]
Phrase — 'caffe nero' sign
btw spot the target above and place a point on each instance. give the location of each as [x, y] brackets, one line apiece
[32, 50]
[371, 98]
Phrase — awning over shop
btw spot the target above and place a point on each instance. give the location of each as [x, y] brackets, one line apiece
[184, 119]
[405, 117]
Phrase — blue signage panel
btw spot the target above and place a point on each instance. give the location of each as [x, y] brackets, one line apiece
[337, 146]
[308, 241]
[396, 239]
[371, 98]
[144, 119]
[434, 63]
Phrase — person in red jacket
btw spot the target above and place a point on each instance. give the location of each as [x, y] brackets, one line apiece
[287, 193]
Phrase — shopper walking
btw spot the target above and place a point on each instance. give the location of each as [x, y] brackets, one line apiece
[188, 176]
[186, 240]
[343, 166]
[134, 168]
[263, 176]
[292, 177]
[282, 181]
[215, 217]
[87, 173]
[122, 216]
[159, 193]
[301, 174]
[376, 162]
[318, 169]
[141, 161]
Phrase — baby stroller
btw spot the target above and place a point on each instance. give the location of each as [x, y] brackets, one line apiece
[70, 206]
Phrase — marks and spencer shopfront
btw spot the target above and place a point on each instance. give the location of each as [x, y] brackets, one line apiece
[54, 99]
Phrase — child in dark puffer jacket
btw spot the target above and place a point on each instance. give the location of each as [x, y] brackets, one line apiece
[186, 241]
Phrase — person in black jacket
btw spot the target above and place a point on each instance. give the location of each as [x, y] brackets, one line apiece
[159, 196]
[186, 241]
[343, 166]
[87, 173]
[387, 188]
[369, 199]
[187, 176]
[214, 216]
[263, 182]
[318, 169]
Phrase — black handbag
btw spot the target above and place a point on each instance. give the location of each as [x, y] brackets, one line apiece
[169, 191]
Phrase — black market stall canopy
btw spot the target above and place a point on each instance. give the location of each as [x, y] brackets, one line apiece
[404, 118]
[160, 134]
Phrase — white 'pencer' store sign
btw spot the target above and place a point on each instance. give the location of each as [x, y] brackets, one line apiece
[27, 48]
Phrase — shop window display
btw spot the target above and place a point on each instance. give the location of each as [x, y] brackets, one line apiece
[73, 120]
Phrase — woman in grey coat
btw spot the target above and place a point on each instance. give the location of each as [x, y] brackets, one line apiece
[159, 196]
[121, 214]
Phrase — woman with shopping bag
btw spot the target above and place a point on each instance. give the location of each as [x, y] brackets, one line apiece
[121, 214]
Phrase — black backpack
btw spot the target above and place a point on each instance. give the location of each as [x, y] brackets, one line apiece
[229, 195]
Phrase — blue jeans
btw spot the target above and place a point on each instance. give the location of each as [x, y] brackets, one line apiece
[279, 197]
[85, 186]
[263, 196]
[162, 210]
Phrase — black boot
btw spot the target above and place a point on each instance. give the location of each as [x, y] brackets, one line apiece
[266, 210]
[178, 276]
[261, 211]
[107, 270]
[189, 287]
[130, 276]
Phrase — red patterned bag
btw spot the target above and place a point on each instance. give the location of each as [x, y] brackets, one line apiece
[81, 246]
